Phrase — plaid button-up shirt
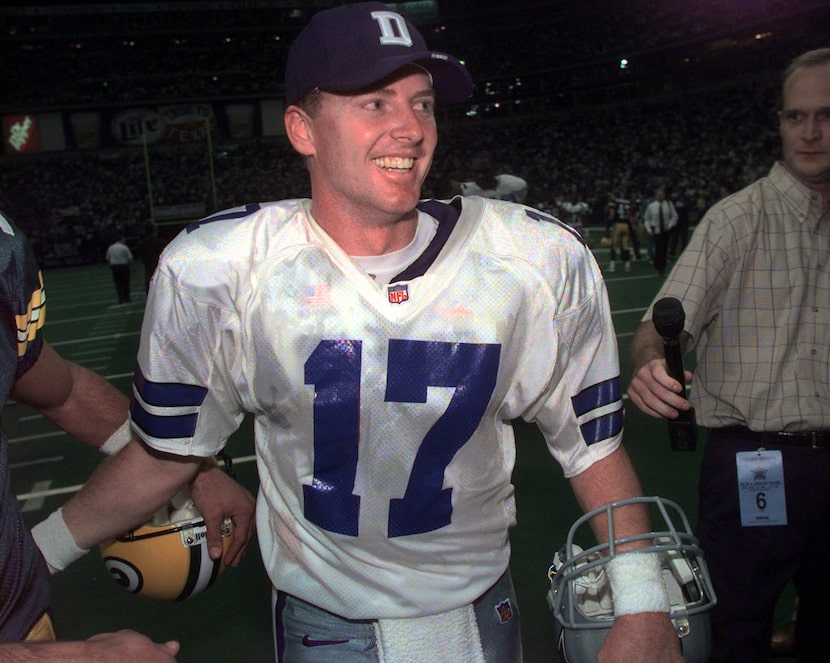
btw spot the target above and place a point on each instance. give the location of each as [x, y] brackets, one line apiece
[755, 285]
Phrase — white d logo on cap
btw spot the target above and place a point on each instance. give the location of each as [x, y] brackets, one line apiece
[393, 29]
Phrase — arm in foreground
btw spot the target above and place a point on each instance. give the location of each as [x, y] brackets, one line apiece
[645, 636]
[115, 647]
[125, 491]
[90, 408]
[78, 400]
[128, 488]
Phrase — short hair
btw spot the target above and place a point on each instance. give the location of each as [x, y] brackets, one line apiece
[814, 58]
[311, 102]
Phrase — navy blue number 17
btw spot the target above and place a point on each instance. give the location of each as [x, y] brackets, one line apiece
[413, 366]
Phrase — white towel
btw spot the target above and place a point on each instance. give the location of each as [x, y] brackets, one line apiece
[449, 637]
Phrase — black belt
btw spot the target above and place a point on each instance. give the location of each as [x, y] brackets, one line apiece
[817, 439]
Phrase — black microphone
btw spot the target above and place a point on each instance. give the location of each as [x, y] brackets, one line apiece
[668, 318]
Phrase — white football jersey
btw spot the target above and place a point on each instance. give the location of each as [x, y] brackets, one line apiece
[382, 414]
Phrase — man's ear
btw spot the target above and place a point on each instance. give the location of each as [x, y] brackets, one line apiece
[298, 130]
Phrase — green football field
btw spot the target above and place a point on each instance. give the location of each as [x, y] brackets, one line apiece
[232, 621]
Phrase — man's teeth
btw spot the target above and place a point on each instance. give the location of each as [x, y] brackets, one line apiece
[394, 163]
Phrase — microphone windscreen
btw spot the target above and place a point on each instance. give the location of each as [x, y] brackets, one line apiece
[668, 317]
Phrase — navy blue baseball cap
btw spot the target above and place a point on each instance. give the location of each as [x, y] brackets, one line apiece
[348, 48]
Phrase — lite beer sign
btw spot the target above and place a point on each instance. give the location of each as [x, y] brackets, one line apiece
[138, 125]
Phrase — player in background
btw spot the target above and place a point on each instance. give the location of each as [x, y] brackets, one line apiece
[383, 345]
[91, 409]
[488, 184]
[620, 227]
[120, 259]
[575, 211]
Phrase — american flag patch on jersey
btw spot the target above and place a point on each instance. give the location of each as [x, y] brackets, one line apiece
[318, 296]
[398, 294]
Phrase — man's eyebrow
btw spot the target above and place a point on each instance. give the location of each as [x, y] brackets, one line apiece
[389, 91]
[795, 109]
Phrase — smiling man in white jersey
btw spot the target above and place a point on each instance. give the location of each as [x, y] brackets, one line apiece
[383, 345]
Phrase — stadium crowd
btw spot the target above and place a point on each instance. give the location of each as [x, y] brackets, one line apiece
[612, 134]
[72, 202]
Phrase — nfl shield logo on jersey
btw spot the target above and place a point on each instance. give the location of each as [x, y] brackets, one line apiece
[398, 294]
[504, 611]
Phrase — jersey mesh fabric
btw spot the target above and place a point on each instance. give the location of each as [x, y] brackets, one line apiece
[24, 581]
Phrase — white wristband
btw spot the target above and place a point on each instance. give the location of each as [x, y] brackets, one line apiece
[56, 544]
[118, 440]
[637, 583]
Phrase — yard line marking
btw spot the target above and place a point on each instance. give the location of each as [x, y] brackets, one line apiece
[40, 436]
[620, 311]
[89, 339]
[74, 489]
[37, 502]
[115, 376]
[39, 461]
[49, 493]
[96, 353]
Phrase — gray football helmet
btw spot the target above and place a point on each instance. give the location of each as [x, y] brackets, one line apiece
[580, 594]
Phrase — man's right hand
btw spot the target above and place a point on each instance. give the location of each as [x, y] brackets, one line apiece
[656, 393]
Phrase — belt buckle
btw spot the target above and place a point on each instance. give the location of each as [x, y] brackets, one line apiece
[816, 439]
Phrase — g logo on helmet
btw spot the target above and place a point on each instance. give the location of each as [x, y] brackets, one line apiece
[167, 562]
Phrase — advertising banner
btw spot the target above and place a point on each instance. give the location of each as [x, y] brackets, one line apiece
[20, 134]
[85, 127]
[132, 127]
